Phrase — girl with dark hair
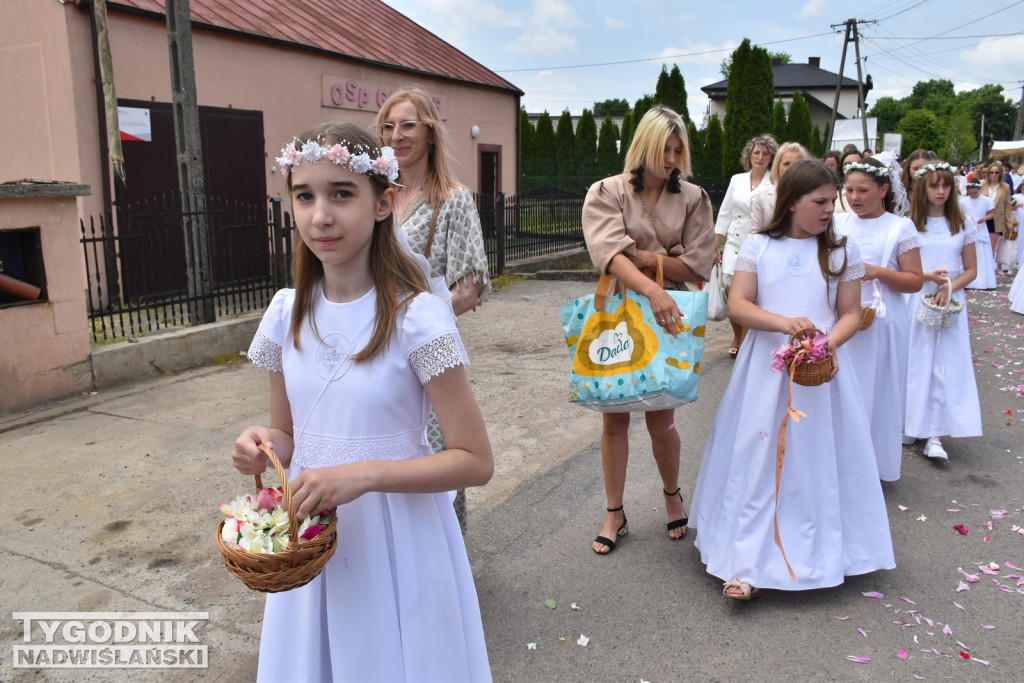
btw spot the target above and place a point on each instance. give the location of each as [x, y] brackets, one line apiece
[357, 353]
[891, 251]
[831, 518]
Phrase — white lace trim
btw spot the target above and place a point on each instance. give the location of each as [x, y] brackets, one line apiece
[971, 237]
[325, 450]
[746, 264]
[853, 272]
[265, 353]
[907, 245]
[436, 355]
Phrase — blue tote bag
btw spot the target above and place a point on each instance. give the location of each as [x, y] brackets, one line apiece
[623, 361]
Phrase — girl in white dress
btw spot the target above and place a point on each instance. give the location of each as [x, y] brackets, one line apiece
[942, 395]
[831, 515]
[357, 353]
[1017, 289]
[980, 208]
[890, 248]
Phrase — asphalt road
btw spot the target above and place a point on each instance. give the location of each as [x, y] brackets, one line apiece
[111, 505]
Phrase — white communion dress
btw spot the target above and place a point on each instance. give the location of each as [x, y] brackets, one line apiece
[831, 512]
[878, 354]
[942, 394]
[976, 208]
[397, 601]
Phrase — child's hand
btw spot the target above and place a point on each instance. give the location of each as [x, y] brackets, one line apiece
[870, 271]
[791, 326]
[937, 276]
[941, 296]
[246, 456]
[321, 488]
[835, 361]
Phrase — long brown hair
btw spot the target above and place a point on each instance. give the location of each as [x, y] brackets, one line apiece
[906, 177]
[919, 201]
[801, 178]
[394, 271]
[440, 180]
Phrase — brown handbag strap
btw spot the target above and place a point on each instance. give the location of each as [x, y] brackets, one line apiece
[430, 235]
[608, 284]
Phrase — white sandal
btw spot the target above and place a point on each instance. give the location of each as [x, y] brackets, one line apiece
[747, 592]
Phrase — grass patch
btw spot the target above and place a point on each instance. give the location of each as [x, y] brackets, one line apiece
[224, 358]
[506, 280]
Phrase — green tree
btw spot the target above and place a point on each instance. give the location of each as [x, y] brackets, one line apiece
[671, 91]
[608, 161]
[565, 150]
[726, 63]
[696, 143]
[749, 100]
[617, 107]
[640, 108]
[798, 129]
[817, 147]
[960, 139]
[625, 138]
[544, 150]
[713, 139]
[527, 158]
[889, 111]
[586, 150]
[1000, 114]
[921, 130]
[779, 121]
[825, 139]
[936, 95]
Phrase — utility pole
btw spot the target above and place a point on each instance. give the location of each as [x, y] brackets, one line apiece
[191, 180]
[1020, 113]
[981, 145]
[851, 35]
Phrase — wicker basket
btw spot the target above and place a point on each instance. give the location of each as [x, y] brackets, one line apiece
[295, 566]
[939, 317]
[814, 373]
[867, 316]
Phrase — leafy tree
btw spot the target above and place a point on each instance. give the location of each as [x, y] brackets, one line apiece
[565, 150]
[921, 130]
[713, 142]
[798, 129]
[961, 140]
[586, 150]
[726, 63]
[779, 121]
[889, 111]
[544, 149]
[936, 95]
[696, 141]
[625, 138]
[617, 107]
[527, 153]
[749, 102]
[671, 91]
[608, 161]
[1000, 114]
[817, 147]
[640, 108]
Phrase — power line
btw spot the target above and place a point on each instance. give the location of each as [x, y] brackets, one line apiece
[903, 10]
[937, 35]
[662, 57]
[986, 35]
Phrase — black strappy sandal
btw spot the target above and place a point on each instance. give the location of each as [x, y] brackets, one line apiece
[685, 521]
[620, 532]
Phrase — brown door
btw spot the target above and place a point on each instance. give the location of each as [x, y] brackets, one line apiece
[489, 187]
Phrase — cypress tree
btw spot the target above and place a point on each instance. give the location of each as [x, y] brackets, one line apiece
[625, 138]
[779, 121]
[586, 150]
[713, 143]
[799, 127]
[608, 160]
[749, 102]
[696, 141]
[527, 161]
[565, 151]
[544, 150]
[817, 147]
[677, 87]
[640, 108]
[662, 88]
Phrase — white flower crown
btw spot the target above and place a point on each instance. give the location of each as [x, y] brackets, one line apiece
[295, 152]
[879, 171]
[933, 166]
[973, 183]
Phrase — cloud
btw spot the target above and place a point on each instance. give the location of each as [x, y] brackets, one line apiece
[812, 8]
[697, 53]
[982, 59]
[559, 12]
[454, 20]
[542, 41]
[615, 24]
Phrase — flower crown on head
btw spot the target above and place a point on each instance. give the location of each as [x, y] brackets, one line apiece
[933, 166]
[879, 171]
[973, 183]
[385, 163]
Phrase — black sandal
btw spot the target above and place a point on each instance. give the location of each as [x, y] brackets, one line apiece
[621, 531]
[685, 521]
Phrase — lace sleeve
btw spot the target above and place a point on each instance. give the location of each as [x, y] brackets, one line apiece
[854, 271]
[437, 355]
[746, 264]
[265, 353]
[970, 237]
[907, 245]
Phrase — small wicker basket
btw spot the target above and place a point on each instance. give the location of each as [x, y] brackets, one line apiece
[939, 317]
[814, 373]
[867, 316]
[296, 565]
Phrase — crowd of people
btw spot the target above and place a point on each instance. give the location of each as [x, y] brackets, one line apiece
[372, 412]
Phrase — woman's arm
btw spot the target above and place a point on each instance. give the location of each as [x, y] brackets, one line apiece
[663, 306]
[465, 294]
[245, 455]
[467, 461]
